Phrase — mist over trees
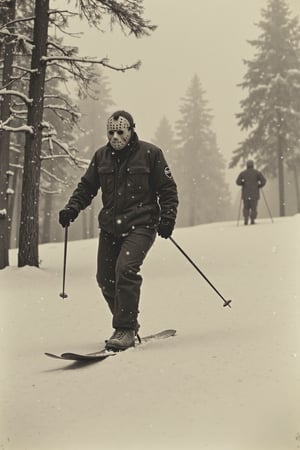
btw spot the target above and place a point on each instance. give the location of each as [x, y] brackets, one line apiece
[196, 160]
[270, 114]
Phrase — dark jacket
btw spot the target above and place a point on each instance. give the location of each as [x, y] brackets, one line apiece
[137, 187]
[251, 181]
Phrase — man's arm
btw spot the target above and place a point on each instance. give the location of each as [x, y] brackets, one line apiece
[261, 180]
[165, 188]
[87, 188]
[240, 179]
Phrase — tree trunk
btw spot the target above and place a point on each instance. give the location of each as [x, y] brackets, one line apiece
[5, 141]
[29, 227]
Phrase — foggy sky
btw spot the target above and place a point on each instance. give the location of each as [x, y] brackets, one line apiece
[208, 38]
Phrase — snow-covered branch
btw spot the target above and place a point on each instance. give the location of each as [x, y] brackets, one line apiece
[25, 69]
[63, 16]
[62, 99]
[18, 112]
[19, 94]
[90, 60]
[15, 79]
[16, 166]
[52, 157]
[24, 43]
[22, 128]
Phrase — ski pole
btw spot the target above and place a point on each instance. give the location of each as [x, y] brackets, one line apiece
[267, 204]
[226, 302]
[63, 293]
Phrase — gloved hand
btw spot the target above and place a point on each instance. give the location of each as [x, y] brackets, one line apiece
[165, 228]
[67, 215]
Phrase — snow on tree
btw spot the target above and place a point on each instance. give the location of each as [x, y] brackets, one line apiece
[271, 111]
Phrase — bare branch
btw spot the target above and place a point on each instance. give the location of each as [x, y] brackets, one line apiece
[46, 191]
[62, 12]
[51, 175]
[71, 108]
[63, 18]
[78, 161]
[128, 14]
[15, 79]
[25, 19]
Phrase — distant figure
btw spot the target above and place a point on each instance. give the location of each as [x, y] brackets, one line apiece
[251, 181]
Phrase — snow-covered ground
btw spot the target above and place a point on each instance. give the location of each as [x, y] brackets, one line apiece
[229, 379]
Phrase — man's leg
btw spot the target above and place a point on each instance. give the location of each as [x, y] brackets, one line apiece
[253, 213]
[128, 280]
[246, 211]
[108, 252]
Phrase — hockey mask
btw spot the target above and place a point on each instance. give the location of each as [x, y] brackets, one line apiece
[118, 131]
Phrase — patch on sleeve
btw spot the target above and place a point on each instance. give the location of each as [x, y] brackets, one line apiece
[168, 172]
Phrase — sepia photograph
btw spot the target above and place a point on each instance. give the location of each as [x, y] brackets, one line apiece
[149, 224]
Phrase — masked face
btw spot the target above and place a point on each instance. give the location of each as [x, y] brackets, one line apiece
[118, 132]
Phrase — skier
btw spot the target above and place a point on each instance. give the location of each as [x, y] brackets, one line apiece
[139, 197]
[251, 181]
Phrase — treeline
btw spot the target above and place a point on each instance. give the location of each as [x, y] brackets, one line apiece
[38, 116]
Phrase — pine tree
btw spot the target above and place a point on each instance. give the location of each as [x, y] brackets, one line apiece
[164, 138]
[270, 113]
[203, 193]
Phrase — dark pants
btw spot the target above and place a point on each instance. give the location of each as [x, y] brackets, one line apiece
[250, 209]
[119, 261]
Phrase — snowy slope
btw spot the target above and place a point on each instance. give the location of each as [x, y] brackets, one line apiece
[229, 380]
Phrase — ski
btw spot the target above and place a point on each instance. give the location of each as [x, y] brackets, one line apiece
[102, 354]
